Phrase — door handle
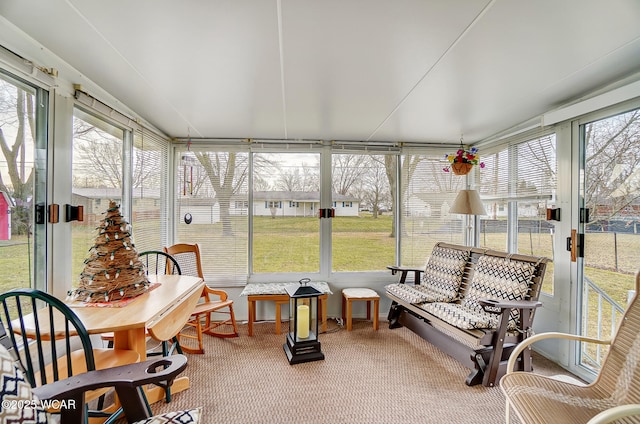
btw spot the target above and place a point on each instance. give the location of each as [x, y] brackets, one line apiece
[575, 245]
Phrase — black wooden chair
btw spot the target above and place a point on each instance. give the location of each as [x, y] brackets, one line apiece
[162, 263]
[50, 343]
[70, 393]
[159, 263]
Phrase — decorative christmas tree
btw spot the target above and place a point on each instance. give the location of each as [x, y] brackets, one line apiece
[113, 269]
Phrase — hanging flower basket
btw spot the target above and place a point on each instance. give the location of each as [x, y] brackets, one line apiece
[463, 161]
[461, 168]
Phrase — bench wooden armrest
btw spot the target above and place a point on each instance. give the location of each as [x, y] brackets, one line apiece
[548, 335]
[510, 304]
[405, 270]
[126, 379]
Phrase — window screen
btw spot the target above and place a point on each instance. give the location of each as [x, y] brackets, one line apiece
[517, 185]
[211, 199]
[426, 193]
[149, 181]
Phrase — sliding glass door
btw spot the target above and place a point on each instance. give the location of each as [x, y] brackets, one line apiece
[23, 184]
[607, 240]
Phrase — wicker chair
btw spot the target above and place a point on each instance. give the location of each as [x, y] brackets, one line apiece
[211, 301]
[615, 393]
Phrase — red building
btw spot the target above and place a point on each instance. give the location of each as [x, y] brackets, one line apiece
[5, 216]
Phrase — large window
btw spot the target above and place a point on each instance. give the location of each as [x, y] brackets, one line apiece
[97, 178]
[426, 193]
[517, 185]
[211, 198]
[610, 211]
[213, 207]
[149, 187]
[363, 237]
[286, 199]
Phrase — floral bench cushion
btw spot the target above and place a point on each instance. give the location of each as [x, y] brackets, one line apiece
[494, 278]
[441, 280]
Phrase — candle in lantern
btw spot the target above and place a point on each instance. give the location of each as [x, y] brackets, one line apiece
[303, 322]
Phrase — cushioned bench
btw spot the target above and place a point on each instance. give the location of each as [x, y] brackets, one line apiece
[474, 304]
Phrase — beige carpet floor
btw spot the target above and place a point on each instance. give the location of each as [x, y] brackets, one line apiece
[388, 376]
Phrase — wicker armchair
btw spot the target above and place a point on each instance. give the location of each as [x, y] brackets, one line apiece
[614, 395]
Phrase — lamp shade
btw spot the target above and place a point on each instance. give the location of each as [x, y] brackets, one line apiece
[468, 202]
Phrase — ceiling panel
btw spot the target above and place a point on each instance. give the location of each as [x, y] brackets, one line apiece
[517, 60]
[407, 70]
[217, 64]
[349, 64]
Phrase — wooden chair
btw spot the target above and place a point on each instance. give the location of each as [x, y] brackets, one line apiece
[127, 380]
[614, 394]
[56, 332]
[188, 256]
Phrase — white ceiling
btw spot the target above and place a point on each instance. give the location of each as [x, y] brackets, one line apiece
[369, 70]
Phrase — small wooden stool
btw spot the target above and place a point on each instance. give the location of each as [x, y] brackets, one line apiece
[350, 295]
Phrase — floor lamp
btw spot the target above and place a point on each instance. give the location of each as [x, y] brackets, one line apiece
[468, 202]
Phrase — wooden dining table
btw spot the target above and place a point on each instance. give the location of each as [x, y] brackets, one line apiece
[160, 312]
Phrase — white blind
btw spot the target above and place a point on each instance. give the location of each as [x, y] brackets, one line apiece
[426, 193]
[149, 190]
[520, 171]
[517, 184]
[149, 171]
[211, 209]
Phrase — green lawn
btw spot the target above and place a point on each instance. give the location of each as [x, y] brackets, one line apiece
[358, 244]
[292, 244]
[14, 255]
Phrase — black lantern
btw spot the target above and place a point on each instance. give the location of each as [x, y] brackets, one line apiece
[302, 339]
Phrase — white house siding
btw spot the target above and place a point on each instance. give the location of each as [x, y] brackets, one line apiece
[417, 207]
[346, 208]
[301, 209]
[286, 208]
[300, 204]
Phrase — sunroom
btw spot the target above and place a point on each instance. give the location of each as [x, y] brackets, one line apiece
[295, 140]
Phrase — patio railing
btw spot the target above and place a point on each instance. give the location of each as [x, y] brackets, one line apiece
[602, 326]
